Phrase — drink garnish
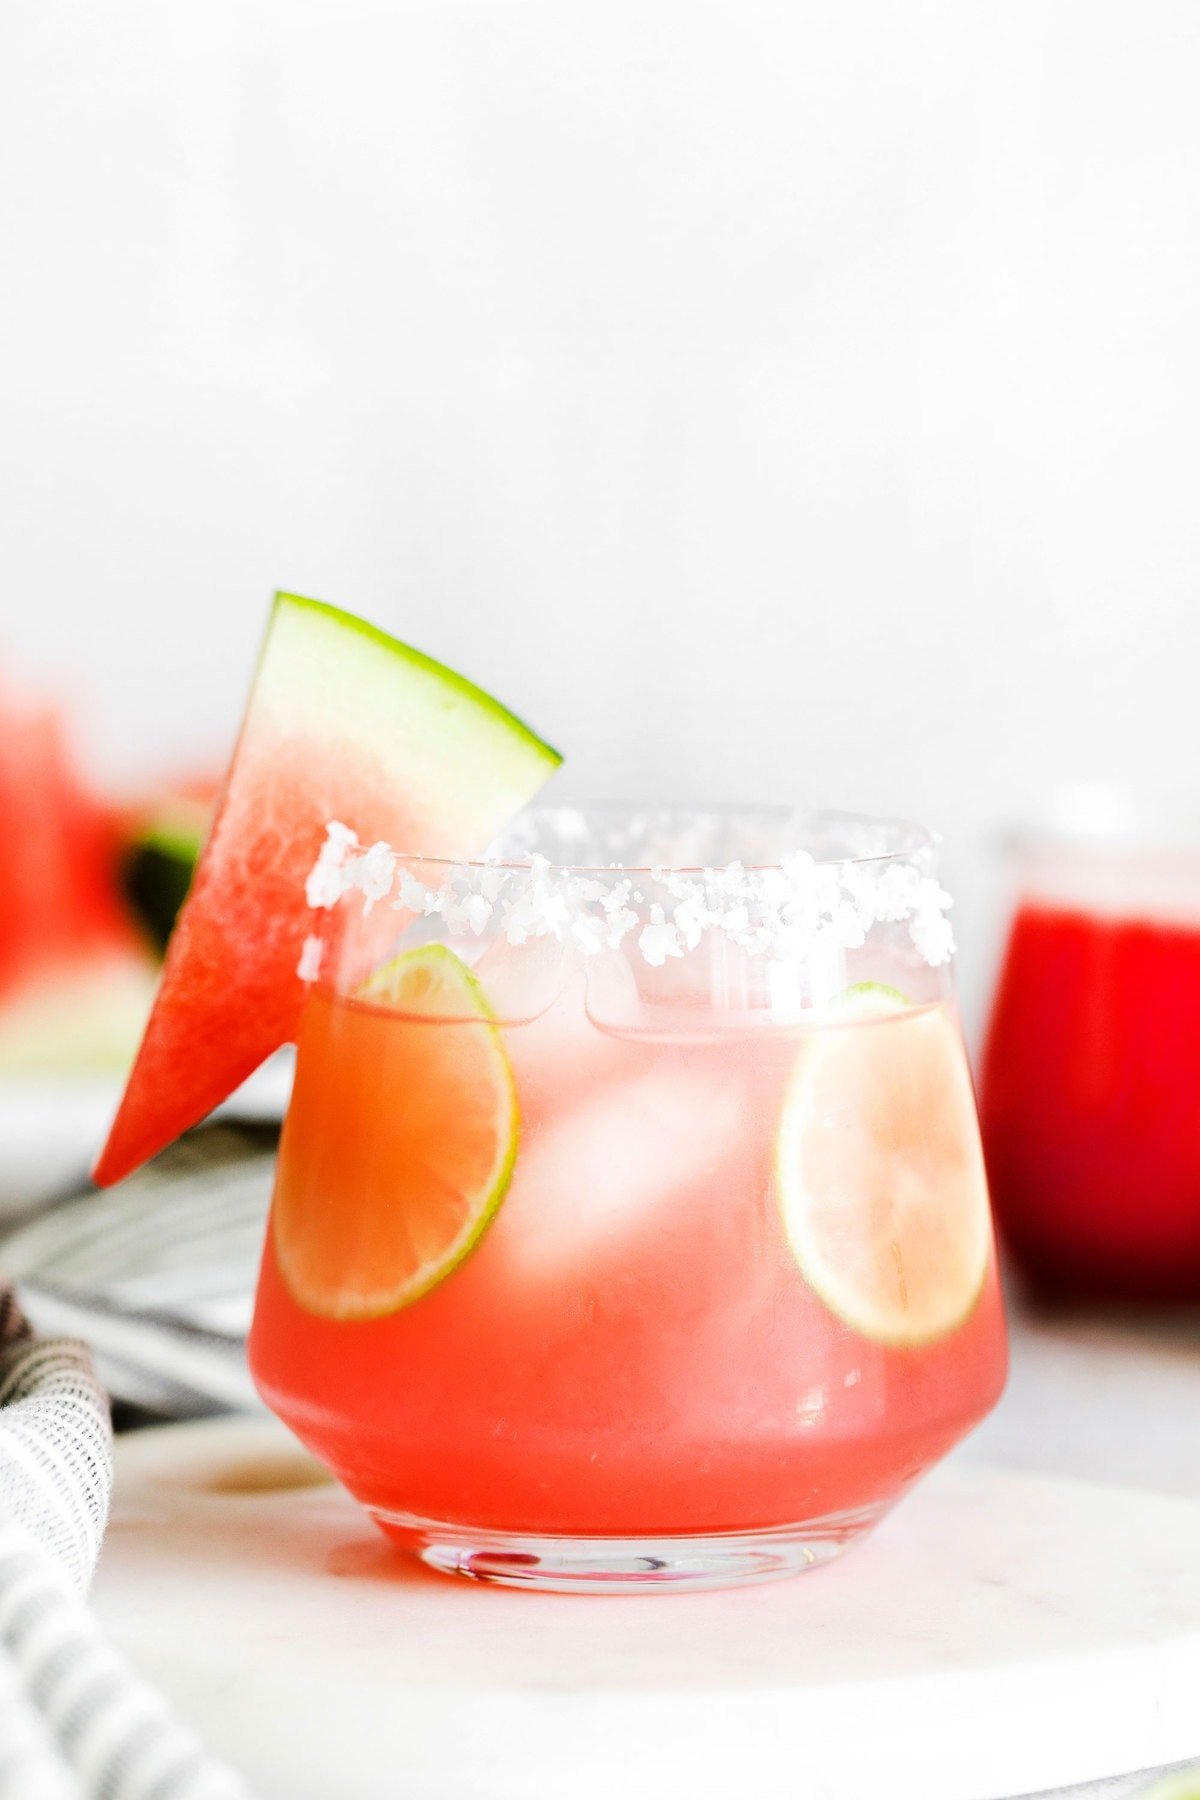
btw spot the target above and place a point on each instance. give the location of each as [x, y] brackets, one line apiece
[426, 1146]
[342, 722]
[879, 1172]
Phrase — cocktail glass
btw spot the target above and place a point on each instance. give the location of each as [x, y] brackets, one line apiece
[630, 1228]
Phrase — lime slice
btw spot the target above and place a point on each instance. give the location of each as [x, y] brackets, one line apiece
[425, 1112]
[866, 999]
[880, 1173]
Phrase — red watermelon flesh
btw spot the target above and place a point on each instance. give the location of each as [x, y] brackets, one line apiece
[343, 723]
[58, 899]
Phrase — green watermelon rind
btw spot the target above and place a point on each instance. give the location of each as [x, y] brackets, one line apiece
[301, 628]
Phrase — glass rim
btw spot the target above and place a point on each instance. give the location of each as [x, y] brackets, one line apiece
[914, 840]
[775, 899]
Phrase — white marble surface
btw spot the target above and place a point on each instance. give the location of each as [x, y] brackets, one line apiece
[1109, 1397]
[1001, 1633]
[1105, 1397]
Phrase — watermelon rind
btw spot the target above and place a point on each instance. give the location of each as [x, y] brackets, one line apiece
[319, 660]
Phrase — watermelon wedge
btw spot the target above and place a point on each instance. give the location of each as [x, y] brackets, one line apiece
[343, 722]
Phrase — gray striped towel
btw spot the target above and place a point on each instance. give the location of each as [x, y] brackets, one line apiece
[158, 1274]
[76, 1722]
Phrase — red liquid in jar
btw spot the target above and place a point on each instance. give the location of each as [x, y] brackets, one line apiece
[1090, 1101]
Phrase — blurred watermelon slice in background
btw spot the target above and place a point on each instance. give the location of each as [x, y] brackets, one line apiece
[85, 901]
[161, 839]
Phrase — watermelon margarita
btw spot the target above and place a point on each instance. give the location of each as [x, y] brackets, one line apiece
[630, 1225]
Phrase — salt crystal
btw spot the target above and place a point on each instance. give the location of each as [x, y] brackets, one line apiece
[411, 895]
[588, 935]
[478, 910]
[491, 882]
[324, 887]
[374, 874]
[659, 940]
[933, 937]
[462, 916]
[309, 966]
[620, 924]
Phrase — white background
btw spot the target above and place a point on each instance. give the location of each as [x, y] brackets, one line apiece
[785, 401]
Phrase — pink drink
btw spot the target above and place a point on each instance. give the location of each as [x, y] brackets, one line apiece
[632, 1353]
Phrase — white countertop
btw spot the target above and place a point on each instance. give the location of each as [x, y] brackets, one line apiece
[1100, 1397]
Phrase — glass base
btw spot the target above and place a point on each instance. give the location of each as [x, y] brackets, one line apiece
[627, 1565]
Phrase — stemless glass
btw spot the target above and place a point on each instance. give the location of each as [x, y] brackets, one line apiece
[630, 1228]
[1091, 1067]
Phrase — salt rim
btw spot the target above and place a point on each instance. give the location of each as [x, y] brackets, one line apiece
[785, 912]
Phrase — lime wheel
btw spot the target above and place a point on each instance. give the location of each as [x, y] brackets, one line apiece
[880, 1173]
[418, 1147]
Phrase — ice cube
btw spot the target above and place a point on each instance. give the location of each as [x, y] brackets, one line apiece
[592, 1177]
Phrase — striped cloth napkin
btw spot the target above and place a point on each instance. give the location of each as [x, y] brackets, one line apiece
[158, 1274]
[76, 1722]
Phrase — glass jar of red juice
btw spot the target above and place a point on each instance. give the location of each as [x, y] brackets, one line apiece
[1090, 1080]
